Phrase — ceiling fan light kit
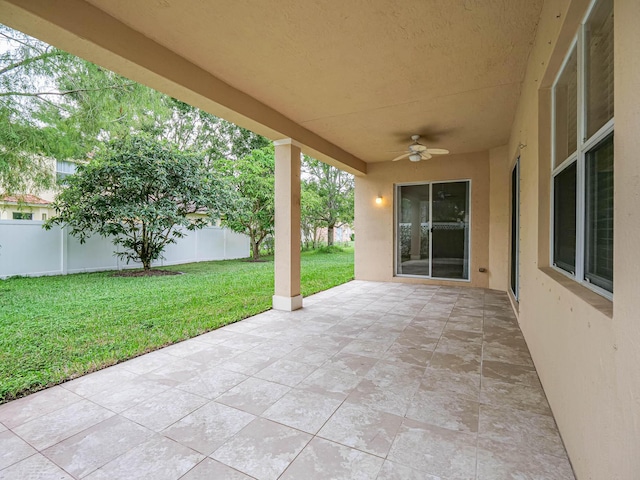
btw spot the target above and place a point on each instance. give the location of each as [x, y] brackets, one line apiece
[418, 151]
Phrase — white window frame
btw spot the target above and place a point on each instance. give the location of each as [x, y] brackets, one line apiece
[584, 145]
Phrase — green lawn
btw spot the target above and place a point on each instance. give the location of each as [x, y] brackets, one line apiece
[56, 328]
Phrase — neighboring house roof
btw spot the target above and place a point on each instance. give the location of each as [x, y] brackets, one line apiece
[24, 199]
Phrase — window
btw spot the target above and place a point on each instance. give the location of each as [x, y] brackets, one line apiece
[22, 216]
[515, 228]
[44, 217]
[582, 164]
[64, 169]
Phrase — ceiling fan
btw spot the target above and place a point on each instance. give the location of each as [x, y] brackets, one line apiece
[418, 151]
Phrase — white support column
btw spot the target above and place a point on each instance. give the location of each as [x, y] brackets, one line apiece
[287, 226]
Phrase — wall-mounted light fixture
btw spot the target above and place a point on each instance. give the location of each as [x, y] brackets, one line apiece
[379, 200]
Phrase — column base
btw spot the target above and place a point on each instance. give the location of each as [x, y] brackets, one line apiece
[288, 304]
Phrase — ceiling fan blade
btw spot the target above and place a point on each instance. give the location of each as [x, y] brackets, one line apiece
[438, 151]
[404, 155]
[425, 155]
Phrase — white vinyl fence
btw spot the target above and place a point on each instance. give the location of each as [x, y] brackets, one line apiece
[29, 250]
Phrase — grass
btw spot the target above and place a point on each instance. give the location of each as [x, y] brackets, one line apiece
[56, 328]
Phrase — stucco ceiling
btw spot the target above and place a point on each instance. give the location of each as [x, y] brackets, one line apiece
[362, 74]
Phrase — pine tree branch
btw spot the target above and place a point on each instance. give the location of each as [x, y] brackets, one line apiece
[66, 92]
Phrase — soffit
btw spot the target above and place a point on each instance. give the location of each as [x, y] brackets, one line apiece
[362, 74]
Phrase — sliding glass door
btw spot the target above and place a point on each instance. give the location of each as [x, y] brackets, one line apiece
[432, 230]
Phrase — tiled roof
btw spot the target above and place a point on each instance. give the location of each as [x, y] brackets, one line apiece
[28, 199]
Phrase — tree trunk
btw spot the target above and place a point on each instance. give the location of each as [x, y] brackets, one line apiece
[255, 250]
[146, 264]
[330, 235]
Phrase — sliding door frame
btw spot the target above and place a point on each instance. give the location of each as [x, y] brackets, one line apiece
[396, 233]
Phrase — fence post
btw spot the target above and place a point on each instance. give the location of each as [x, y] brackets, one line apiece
[224, 244]
[63, 250]
[197, 253]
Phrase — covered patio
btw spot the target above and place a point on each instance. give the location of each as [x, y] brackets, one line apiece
[509, 239]
[369, 381]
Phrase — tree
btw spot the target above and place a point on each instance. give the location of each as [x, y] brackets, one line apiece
[54, 105]
[252, 211]
[139, 191]
[335, 189]
[310, 213]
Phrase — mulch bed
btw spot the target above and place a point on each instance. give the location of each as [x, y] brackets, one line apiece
[145, 273]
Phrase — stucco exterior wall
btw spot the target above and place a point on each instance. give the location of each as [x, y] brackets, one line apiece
[585, 348]
[7, 211]
[374, 223]
[500, 164]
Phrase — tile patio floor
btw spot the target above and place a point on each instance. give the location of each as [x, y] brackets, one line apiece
[368, 381]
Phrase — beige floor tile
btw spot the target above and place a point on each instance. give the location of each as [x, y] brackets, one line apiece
[385, 374]
[507, 354]
[180, 370]
[436, 451]
[263, 449]
[253, 395]
[536, 432]
[367, 348]
[209, 469]
[363, 428]
[395, 471]
[35, 405]
[35, 467]
[58, 425]
[521, 397]
[429, 328]
[147, 362]
[186, 348]
[445, 410]
[322, 459]
[312, 355]
[212, 382]
[247, 363]
[130, 393]
[390, 398]
[214, 355]
[276, 348]
[416, 341]
[461, 384]
[504, 461]
[456, 363]
[464, 324]
[157, 459]
[90, 449]
[13, 449]
[205, 429]
[103, 380]
[216, 337]
[244, 341]
[286, 372]
[350, 363]
[164, 409]
[329, 381]
[509, 373]
[302, 409]
[407, 355]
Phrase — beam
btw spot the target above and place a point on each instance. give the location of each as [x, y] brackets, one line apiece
[84, 30]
